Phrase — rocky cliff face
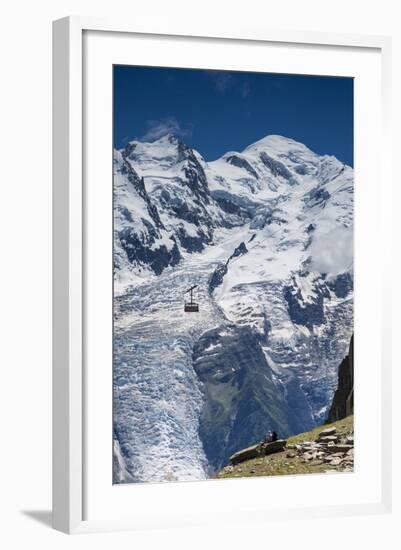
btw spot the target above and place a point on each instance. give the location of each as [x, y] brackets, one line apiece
[240, 395]
[141, 241]
[343, 400]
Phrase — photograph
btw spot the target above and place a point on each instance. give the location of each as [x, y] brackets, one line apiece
[233, 246]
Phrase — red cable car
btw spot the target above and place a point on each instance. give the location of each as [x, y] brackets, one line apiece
[191, 306]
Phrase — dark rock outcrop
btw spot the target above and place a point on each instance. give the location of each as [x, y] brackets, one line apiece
[308, 313]
[141, 252]
[221, 270]
[343, 401]
[240, 162]
[277, 168]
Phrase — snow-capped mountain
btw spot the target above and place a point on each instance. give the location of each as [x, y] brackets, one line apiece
[176, 182]
[140, 237]
[266, 233]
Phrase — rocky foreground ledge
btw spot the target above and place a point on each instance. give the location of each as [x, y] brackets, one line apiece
[327, 448]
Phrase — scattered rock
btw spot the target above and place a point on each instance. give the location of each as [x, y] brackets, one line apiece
[328, 439]
[340, 448]
[332, 449]
[327, 432]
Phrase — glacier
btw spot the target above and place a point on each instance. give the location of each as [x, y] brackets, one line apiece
[267, 235]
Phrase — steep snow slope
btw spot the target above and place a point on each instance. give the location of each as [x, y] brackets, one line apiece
[141, 243]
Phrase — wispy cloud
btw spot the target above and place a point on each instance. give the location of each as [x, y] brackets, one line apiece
[223, 81]
[332, 252]
[162, 127]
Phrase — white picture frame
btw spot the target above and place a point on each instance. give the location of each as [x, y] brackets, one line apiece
[70, 425]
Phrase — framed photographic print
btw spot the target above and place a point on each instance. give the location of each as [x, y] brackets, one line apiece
[217, 312]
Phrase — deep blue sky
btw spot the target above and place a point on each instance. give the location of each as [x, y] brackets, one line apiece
[219, 111]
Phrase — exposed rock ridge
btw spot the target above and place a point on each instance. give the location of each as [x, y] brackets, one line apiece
[343, 400]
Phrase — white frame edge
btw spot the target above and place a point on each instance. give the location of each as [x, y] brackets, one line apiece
[68, 341]
[67, 275]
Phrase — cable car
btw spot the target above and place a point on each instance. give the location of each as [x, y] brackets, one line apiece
[191, 306]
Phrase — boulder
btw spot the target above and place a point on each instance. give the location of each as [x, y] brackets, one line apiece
[327, 432]
[340, 448]
[274, 446]
[246, 454]
[261, 449]
[328, 439]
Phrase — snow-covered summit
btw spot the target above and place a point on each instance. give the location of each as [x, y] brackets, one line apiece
[176, 184]
[278, 144]
[270, 182]
[161, 154]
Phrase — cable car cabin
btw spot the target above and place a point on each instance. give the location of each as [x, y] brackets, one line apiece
[191, 306]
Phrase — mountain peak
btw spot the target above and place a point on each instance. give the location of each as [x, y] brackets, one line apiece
[277, 144]
[170, 137]
[168, 148]
[165, 138]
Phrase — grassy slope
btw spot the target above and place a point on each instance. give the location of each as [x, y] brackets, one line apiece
[280, 464]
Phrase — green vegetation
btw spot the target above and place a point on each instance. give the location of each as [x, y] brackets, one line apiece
[284, 463]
